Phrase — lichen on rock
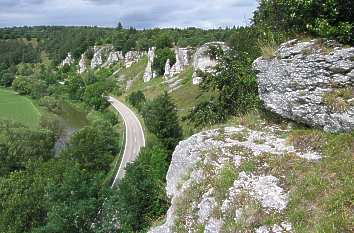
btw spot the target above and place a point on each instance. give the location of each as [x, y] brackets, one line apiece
[310, 82]
[221, 181]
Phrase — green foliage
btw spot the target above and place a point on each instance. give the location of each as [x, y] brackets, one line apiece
[140, 197]
[22, 85]
[20, 144]
[52, 104]
[137, 99]
[236, 87]
[6, 79]
[94, 95]
[325, 18]
[94, 147]
[160, 117]
[161, 56]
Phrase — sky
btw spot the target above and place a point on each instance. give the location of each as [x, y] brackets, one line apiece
[136, 13]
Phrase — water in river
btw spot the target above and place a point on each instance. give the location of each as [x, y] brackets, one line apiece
[71, 120]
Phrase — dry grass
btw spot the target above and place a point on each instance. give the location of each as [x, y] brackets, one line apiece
[337, 100]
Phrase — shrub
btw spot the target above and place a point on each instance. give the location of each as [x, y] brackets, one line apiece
[137, 99]
[161, 56]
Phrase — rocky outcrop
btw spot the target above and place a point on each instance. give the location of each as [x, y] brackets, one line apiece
[101, 53]
[149, 72]
[113, 57]
[82, 64]
[132, 57]
[203, 62]
[182, 61]
[213, 188]
[310, 82]
[69, 60]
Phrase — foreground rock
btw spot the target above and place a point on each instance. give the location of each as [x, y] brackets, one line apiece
[221, 180]
[203, 62]
[310, 82]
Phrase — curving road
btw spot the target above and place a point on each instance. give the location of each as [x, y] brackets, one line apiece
[134, 136]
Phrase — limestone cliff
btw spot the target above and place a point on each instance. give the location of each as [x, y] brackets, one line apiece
[183, 59]
[227, 180]
[310, 82]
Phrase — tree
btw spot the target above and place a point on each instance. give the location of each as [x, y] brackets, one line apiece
[6, 79]
[161, 56]
[137, 99]
[119, 26]
[140, 196]
[94, 147]
[160, 117]
[94, 96]
[22, 85]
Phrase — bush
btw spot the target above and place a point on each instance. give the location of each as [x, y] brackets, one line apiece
[236, 89]
[161, 56]
[52, 104]
[137, 99]
[325, 18]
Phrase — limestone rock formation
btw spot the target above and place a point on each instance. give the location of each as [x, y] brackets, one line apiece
[203, 62]
[82, 64]
[69, 60]
[149, 73]
[113, 57]
[167, 73]
[200, 204]
[182, 61]
[101, 53]
[132, 57]
[310, 82]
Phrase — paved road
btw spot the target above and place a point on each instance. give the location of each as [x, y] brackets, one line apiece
[134, 136]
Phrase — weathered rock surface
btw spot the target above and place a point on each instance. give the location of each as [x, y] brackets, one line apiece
[183, 59]
[69, 60]
[113, 57]
[198, 164]
[203, 62]
[132, 57]
[310, 82]
[82, 64]
[149, 72]
[100, 52]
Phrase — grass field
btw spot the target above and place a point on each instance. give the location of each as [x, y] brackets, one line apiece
[18, 108]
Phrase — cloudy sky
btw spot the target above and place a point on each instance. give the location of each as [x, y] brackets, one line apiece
[137, 13]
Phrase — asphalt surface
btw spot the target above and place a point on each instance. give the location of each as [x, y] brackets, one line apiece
[134, 137]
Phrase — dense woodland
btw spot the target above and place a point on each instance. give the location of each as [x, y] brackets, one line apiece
[70, 193]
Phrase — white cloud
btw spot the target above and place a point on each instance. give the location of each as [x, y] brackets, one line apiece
[137, 13]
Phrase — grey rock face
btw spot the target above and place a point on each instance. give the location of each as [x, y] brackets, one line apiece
[202, 60]
[113, 57]
[149, 73]
[182, 61]
[310, 82]
[97, 58]
[82, 64]
[68, 60]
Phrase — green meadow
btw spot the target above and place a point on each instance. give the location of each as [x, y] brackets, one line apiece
[18, 108]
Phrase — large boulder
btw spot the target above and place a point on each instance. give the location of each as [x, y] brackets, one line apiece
[203, 62]
[310, 82]
[149, 73]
